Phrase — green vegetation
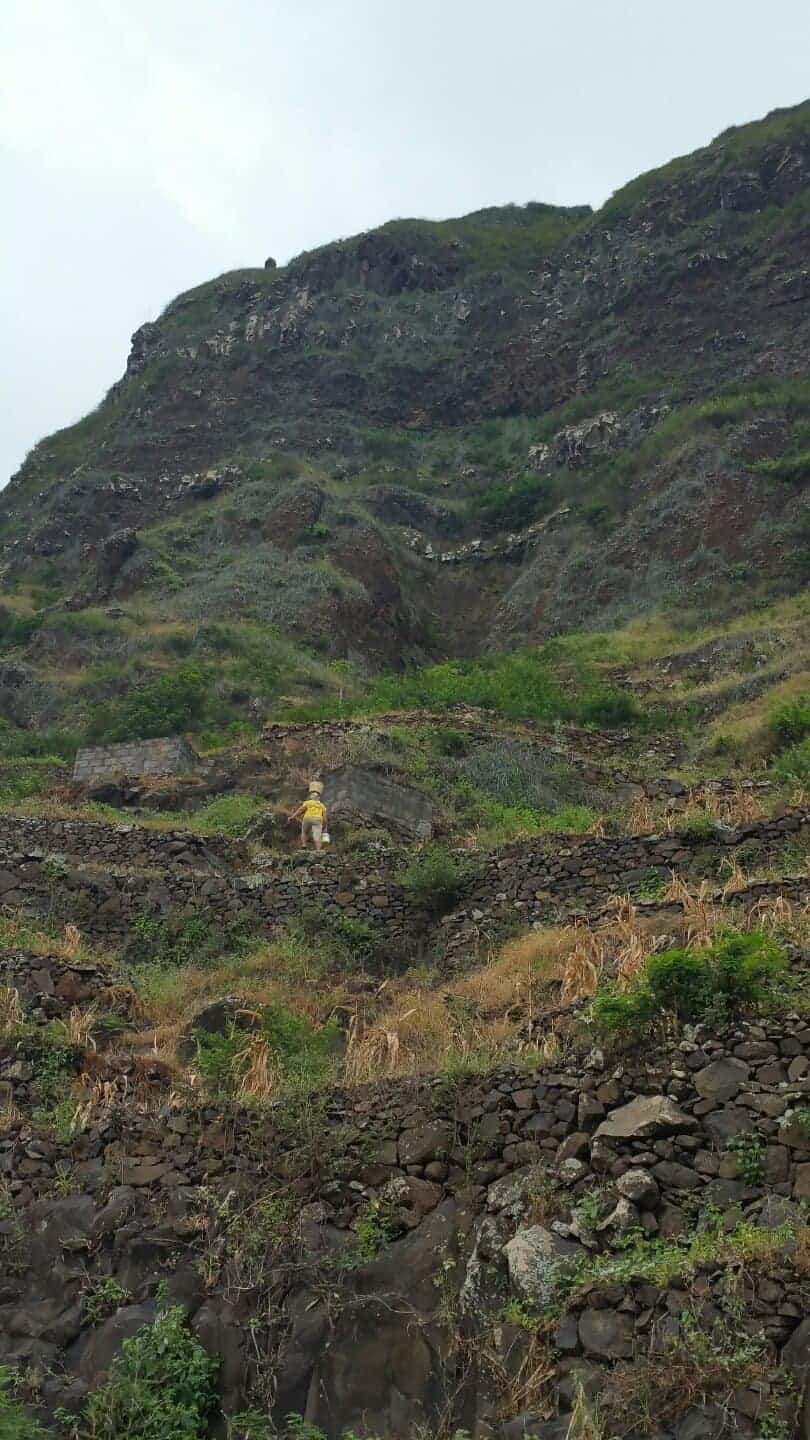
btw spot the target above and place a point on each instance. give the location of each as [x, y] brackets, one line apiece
[701, 827]
[514, 505]
[790, 722]
[659, 1262]
[296, 1054]
[55, 1062]
[174, 702]
[184, 937]
[521, 685]
[160, 1387]
[792, 767]
[709, 982]
[232, 814]
[15, 1422]
[793, 467]
[103, 1298]
[749, 1153]
[374, 1228]
[436, 878]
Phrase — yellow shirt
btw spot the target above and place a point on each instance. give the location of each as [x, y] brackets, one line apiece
[314, 810]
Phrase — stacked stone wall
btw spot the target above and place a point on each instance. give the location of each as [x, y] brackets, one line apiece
[101, 844]
[526, 884]
[458, 1170]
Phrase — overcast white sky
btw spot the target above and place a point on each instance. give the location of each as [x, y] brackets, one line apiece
[146, 145]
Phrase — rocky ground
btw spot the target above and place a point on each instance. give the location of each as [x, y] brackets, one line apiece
[573, 1228]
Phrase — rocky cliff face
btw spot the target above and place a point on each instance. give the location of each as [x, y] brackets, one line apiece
[315, 434]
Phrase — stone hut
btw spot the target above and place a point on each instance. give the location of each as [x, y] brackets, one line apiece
[169, 755]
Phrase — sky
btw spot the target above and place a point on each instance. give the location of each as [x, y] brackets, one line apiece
[147, 145]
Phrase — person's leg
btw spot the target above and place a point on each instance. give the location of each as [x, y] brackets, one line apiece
[317, 833]
[305, 827]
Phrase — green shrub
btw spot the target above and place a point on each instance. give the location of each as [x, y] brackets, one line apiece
[710, 982]
[173, 703]
[15, 1423]
[229, 814]
[24, 778]
[452, 743]
[55, 1063]
[47, 745]
[160, 1387]
[792, 767]
[17, 630]
[436, 878]
[103, 1299]
[789, 723]
[515, 505]
[699, 828]
[304, 1054]
[749, 1152]
[792, 468]
[184, 937]
[219, 1060]
[609, 708]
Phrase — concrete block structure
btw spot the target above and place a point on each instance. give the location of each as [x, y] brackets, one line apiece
[169, 755]
[353, 790]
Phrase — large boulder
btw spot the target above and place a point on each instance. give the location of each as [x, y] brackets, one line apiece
[643, 1118]
[536, 1258]
[721, 1080]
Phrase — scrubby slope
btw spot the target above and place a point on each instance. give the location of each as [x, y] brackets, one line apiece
[315, 448]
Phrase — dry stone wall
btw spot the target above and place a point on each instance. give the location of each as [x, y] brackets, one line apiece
[101, 844]
[457, 1170]
[49, 986]
[526, 884]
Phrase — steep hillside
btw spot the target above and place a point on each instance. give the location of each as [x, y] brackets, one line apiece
[491, 1120]
[443, 437]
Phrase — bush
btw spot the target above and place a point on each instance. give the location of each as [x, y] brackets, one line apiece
[789, 723]
[229, 814]
[303, 1054]
[513, 506]
[436, 878]
[17, 630]
[794, 469]
[15, 1423]
[792, 767]
[160, 1387]
[171, 704]
[451, 743]
[183, 937]
[714, 981]
[610, 708]
[699, 828]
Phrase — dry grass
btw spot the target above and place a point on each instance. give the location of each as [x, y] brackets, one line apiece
[20, 932]
[11, 1011]
[734, 808]
[701, 917]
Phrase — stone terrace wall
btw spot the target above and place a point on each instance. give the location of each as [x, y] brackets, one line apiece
[528, 878]
[530, 883]
[459, 1168]
[49, 986]
[102, 844]
[170, 755]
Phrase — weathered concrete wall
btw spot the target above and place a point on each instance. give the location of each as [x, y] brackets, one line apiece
[170, 755]
[354, 790]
